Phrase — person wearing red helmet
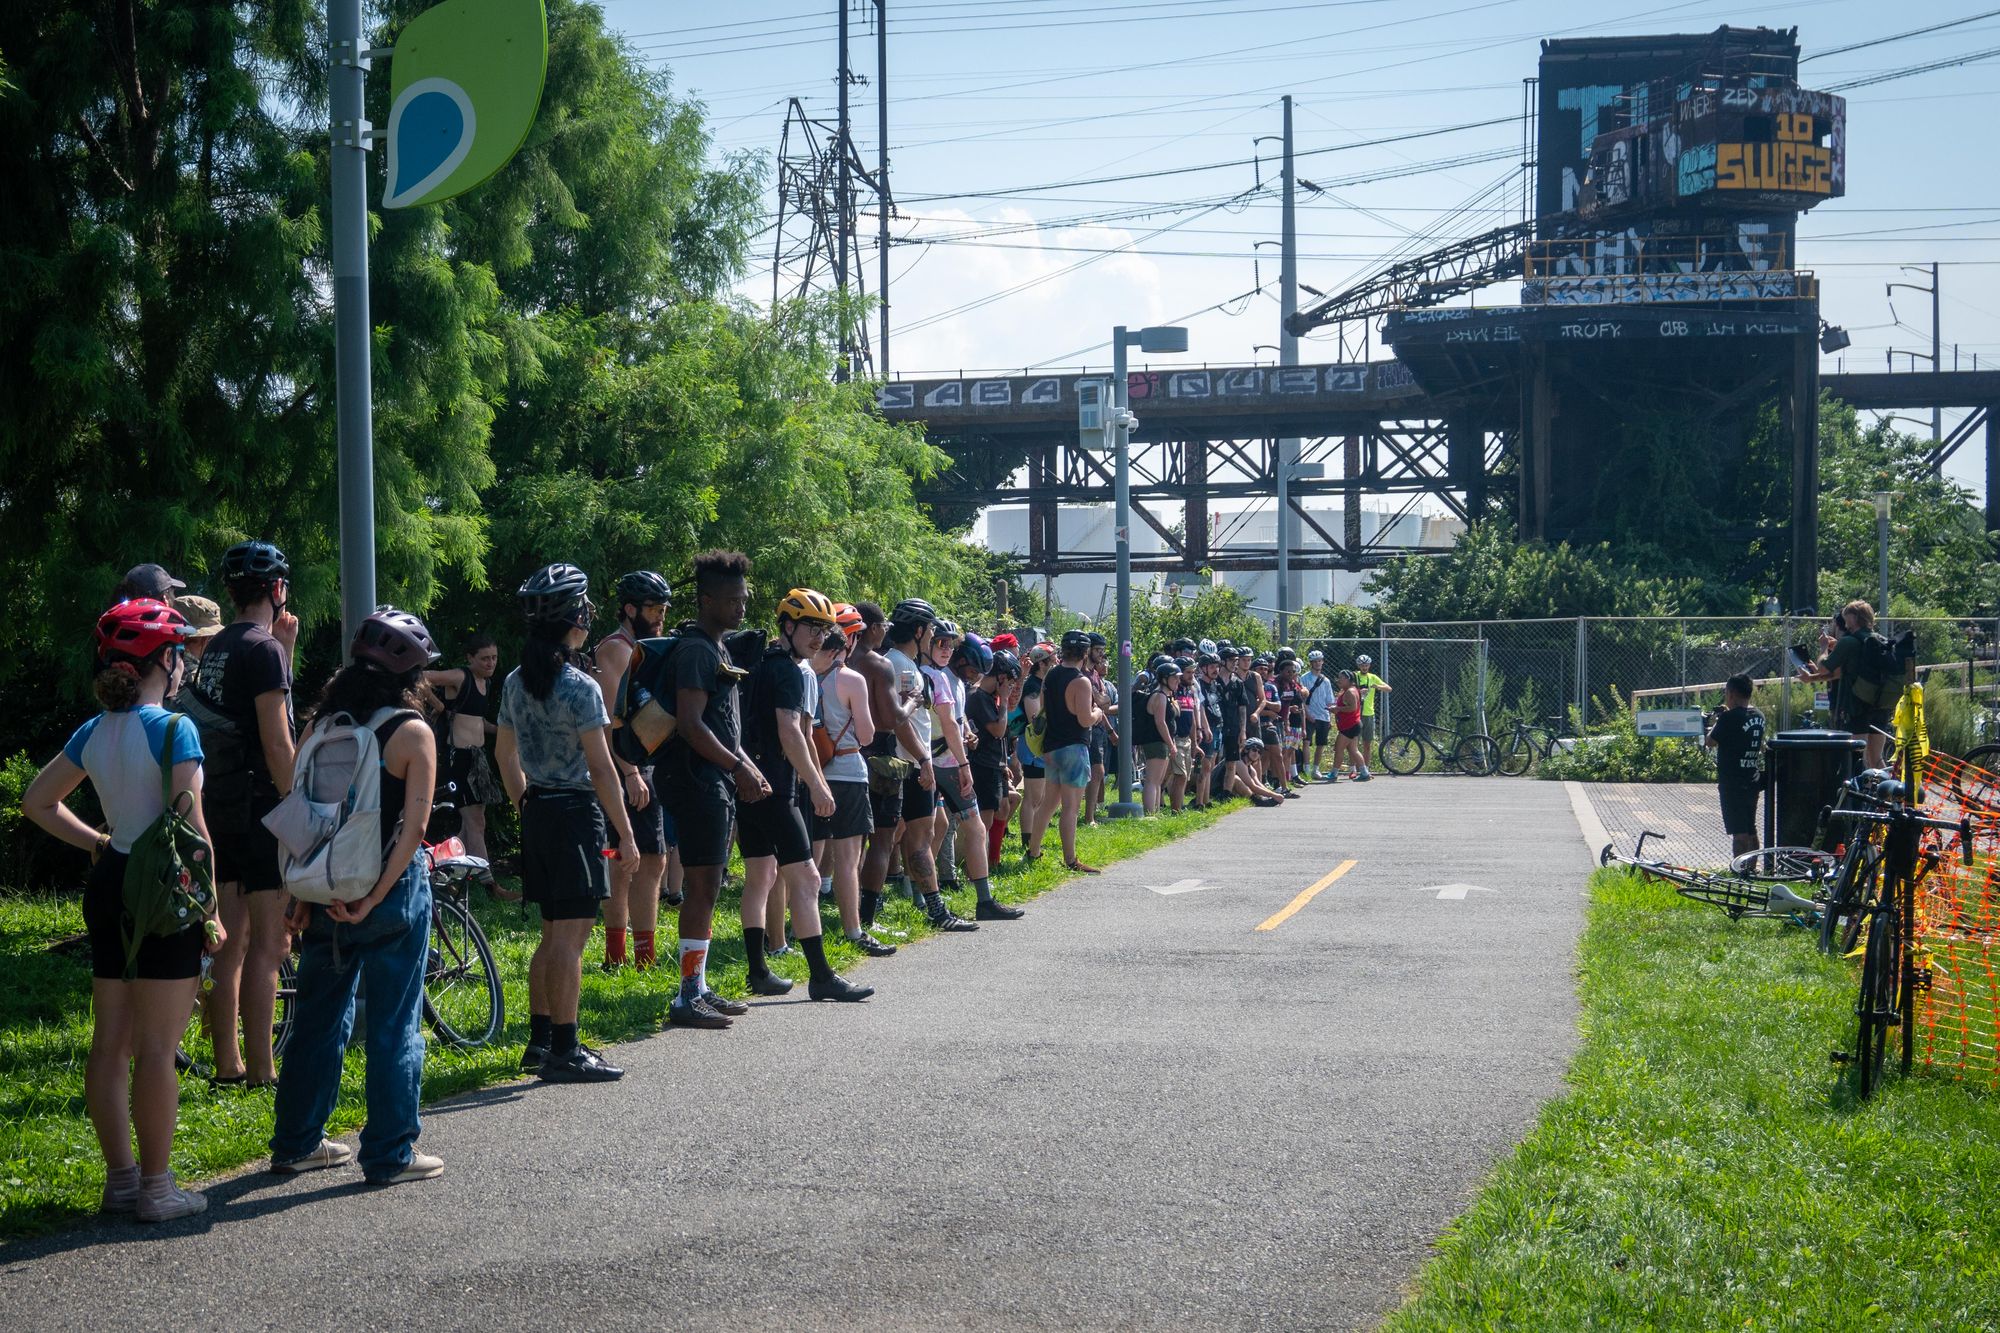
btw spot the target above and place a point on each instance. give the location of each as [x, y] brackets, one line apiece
[245, 681]
[380, 940]
[129, 1079]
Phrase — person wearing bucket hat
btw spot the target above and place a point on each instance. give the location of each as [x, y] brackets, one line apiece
[204, 620]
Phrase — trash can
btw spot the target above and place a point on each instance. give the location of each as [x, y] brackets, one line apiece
[1807, 768]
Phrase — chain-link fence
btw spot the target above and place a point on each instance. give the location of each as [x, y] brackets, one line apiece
[1580, 674]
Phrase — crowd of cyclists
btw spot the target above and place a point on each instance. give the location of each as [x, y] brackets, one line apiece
[853, 754]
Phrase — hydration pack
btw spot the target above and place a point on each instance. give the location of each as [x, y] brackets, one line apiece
[329, 830]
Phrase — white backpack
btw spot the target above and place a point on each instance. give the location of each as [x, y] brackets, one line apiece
[329, 830]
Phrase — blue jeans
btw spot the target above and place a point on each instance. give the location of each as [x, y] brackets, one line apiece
[388, 952]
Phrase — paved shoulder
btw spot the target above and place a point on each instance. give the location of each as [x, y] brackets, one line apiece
[1133, 1108]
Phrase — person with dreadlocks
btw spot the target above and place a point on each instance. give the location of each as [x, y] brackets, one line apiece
[634, 904]
[554, 753]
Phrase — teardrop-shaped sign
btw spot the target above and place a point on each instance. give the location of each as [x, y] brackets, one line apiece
[465, 82]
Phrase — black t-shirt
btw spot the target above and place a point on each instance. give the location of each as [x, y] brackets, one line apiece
[241, 665]
[1739, 747]
[988, 750]
[1230, 696]
[697, 665]
[1211, 702]
[775, 683]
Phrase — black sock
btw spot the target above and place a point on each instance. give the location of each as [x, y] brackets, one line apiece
[815, 951]
[984, 886]
[934, 904]
[538, 1030]
[870, 904]
[562, 1039]
[753, 950]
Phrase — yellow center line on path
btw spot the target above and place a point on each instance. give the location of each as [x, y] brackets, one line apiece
[1295, 904]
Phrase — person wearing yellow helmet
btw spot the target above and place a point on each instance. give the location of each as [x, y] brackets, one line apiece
[779, 700]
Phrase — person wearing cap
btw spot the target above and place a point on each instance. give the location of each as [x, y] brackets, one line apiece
[148, 581]
[1069, 703]
[1318, 690]
[204, 620]
[1370, 685]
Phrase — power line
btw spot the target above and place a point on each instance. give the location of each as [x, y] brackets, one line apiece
[1899, 36]
[1909, 70]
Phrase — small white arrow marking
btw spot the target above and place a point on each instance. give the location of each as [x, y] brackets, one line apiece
[1179, 886]
[1456, 892]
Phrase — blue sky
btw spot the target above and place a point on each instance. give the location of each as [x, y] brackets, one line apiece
[988, 96]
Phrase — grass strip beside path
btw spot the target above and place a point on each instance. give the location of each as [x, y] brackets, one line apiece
[50, 1170]
[1708, 1169]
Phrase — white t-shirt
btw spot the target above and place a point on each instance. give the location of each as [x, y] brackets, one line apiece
[121, 754]
[910, 685]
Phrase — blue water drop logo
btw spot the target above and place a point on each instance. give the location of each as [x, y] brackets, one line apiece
[431, 128]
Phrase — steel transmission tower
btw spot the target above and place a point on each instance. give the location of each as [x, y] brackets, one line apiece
[821, 179]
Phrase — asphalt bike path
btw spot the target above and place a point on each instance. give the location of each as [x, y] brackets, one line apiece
[1130, 1109]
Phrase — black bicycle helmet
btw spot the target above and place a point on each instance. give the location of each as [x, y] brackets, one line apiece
[642, 587]
[913, 611]
[254, 560]
[1005, 665]
[1075, 641]
[1180, 646]
[558, 593]
[1288, 655]
[1166, 670]
[973, 652]
[1208, 659]
[1185, 663]
[394, 640]
[945, 629]
[1098, 640]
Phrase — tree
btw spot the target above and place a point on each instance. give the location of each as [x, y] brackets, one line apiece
[1492, 575]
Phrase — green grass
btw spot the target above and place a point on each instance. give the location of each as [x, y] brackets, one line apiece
[50, 1170]
[1708, 1169]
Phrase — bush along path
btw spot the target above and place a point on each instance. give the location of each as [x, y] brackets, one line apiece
[1708, 1167]
[50, 1170]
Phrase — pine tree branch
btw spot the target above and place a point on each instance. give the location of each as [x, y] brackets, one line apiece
[96, 146]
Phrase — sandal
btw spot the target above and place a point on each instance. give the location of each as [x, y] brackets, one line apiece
[1082, 869]
[228, 1081]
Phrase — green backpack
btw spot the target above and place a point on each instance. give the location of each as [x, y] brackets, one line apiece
[170, 878]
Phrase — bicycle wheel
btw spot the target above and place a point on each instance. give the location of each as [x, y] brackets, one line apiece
[1977, 787]
[1853, 888]
[1518, 755]
[1478, 755]
[1543, 740]
[1401, 753]
[1787, 865]
[196, 1052]
[462, 999]
[281, 1015]
[1875, 1009]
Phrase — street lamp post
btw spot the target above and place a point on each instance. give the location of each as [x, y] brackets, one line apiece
[1156, 340]
[1882, 552]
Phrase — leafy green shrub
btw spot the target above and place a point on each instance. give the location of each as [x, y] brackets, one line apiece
[1614, 751]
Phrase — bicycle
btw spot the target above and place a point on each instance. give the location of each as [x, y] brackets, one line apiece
[196, 1041]
[1524, 746]
[1472, 752]
[1889, 968]
[1738, 894]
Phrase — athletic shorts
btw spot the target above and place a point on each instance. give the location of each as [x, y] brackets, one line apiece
[1100, 746]
[1367, 727]
[1318, 729]
[989, 788]
[918, 803]
[562, 850]
[1270, 735]
[957, 806]
[1861, 720]
[1156, 750]
[468, 769]
[886, 804]
[649, 826]
[1739, 807]
[1351, 732]
[773, 827]
[704, 818]
[245, 851]
[570, 909]
[175, 957]
[1068, 765]
[1232, 748]
[853, 816]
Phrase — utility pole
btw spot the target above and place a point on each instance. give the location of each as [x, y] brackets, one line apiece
[1288, 355]
[1937, 413]
[882, 178]
[354, 408]
[844, 148]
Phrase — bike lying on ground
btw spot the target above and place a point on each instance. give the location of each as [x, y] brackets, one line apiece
[462, 1002]
[1740, 893]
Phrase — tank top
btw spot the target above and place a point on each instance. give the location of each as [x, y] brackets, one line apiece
[1145, 731]
[847, 765]
[1348, 717]
[943, 695]
[394, 789]
[1064, 727]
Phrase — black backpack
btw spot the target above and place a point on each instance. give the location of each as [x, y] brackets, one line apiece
[224, 747]
[642, 711]
[1878, 679]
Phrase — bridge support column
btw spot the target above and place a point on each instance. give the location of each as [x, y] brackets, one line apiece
[1044, 539]
[1465, 463]
[1194, 521]
[1993, 467]
[1350, 500]
[1798, 405]
[1536, 444]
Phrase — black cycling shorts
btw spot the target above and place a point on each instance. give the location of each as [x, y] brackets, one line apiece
[570, 909]
[853, 815]
[175, 957]
[989, 788]
[773, 827]
[917, 802]
[958, 806]
[704, 816]
[246, 853]
[649, 826]
[562, 848]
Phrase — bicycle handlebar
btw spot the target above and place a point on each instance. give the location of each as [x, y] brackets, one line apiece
[1904, 815]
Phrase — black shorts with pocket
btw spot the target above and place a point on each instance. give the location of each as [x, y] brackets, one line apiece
[174, 957]
[853, 815]
[563, 838]
[649, 826]
[704, 815]
[1318, 730]
[917, 802]
[1739, 807]
[773, 827]
[246, 853]
[989, 788]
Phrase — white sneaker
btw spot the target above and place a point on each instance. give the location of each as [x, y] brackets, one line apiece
[327, 1154]
[161, 1200]
[422, 1166]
